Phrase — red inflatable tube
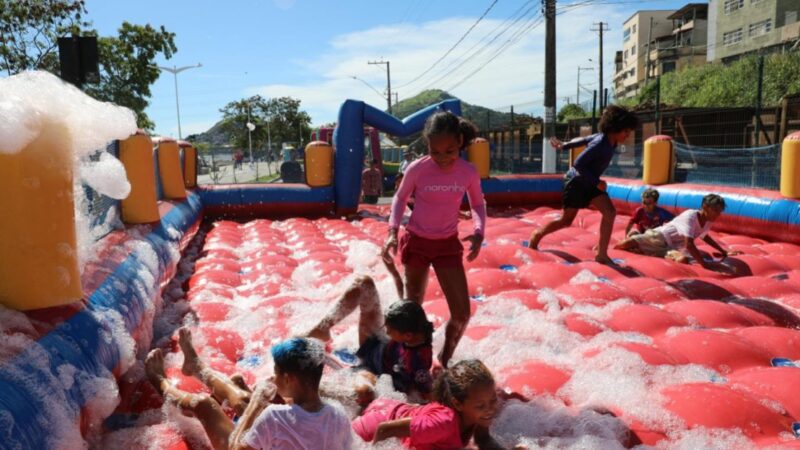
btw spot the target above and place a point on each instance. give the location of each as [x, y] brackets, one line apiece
[533, 378]
[778, 384]
[644, 319]
[723, 352]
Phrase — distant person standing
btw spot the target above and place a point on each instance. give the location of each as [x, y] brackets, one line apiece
[371, 183]
[408, 158]
[238, 157]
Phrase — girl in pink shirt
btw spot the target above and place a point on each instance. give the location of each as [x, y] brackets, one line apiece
[438, 183]
[465, 406]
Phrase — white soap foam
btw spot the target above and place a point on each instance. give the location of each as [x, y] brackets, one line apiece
[33, 101]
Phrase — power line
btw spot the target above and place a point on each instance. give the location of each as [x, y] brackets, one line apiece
[461, 39]
[463, 58]
[485, 47]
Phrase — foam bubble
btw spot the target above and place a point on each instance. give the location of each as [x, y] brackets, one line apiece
[33, 101]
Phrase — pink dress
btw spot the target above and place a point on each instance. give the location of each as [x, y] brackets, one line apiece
[433, 426]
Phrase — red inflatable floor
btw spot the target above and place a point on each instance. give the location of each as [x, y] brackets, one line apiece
[644, 352]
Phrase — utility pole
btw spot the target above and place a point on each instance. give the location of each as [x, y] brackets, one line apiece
[512, 115]
[396, 98]
[388, 82]
[578, 92]
[549, 131]
[601, 28]
[647, 63]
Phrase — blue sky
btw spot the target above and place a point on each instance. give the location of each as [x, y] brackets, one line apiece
[310, 49]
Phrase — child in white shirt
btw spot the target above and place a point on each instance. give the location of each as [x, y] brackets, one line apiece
[675, 239]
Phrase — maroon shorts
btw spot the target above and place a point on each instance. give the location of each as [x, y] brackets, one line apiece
[421, 252]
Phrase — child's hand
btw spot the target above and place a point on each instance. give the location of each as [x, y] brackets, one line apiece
[557, 144]
[475, 241]
[389, 247]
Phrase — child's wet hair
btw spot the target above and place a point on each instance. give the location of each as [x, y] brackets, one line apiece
[615, 118]
[651, 193]
[302, 357]
[406, 316]
[714, 201]
[447, 123]
[456, 382]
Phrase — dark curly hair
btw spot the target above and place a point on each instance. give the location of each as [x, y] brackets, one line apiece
[615, 118]
[456, 382]
[714, 201]
[406, 316]
[447, 123]
[650, 193]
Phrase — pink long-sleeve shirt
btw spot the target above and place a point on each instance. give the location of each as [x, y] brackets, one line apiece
[437, 198]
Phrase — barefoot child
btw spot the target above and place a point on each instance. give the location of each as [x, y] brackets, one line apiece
[403, 351]
[583, 186]
[438, 183]
[671, 239]
[465, 404]
[305, 422]
[649, 215]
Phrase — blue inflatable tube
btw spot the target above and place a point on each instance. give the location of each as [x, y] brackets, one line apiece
[348, 140]
[34, 398]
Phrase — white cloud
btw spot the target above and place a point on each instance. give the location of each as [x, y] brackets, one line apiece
[514, 77]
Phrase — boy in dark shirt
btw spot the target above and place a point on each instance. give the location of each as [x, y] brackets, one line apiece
[649, 215]
[582, 184]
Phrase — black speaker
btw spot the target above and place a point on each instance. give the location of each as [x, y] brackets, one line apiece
[78, 58]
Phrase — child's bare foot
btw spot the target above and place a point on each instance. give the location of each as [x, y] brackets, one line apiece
[191, 362]
[533, 243]
[154, 369]
[238, 380]
[604, 259]
[320, 333]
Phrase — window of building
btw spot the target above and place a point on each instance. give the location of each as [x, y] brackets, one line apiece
[626, 35]
[633, 29]
[668, 67]
[625, 56]
[791, 17]
[633, 50]
[732, 5]
[732, 37]
[755, 2]
[759, 28]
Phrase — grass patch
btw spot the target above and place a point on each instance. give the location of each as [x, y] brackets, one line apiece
[268, 178]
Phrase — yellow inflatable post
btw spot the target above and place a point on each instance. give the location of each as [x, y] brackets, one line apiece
[574, 152]
[189, 165]
[319, 164]
[659, 160]
[169, 168]
[38, 250]
[478, 155]
[790, 166]
[136, 154]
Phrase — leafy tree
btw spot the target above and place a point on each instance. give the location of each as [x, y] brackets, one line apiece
[127, 67]
[713, 85]
[287, 123]
[29, 32]
[571, 111]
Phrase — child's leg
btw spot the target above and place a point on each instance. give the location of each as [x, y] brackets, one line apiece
[233, 391]
[562, 222]
[361, 294]
[454, 286]
[416, 283]
[628, 244]
[207, 410]
[606, 208]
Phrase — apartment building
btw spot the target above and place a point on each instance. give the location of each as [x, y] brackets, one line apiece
[636, 32]
[685, 46]
[740, 27]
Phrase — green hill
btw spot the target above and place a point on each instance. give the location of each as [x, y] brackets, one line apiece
[478, 115]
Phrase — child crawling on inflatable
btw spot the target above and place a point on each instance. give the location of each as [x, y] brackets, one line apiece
[397, 343]
[305, 421]
[675, 239]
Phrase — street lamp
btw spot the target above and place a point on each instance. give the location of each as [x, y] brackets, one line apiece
[175, 71]
[369, 86]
